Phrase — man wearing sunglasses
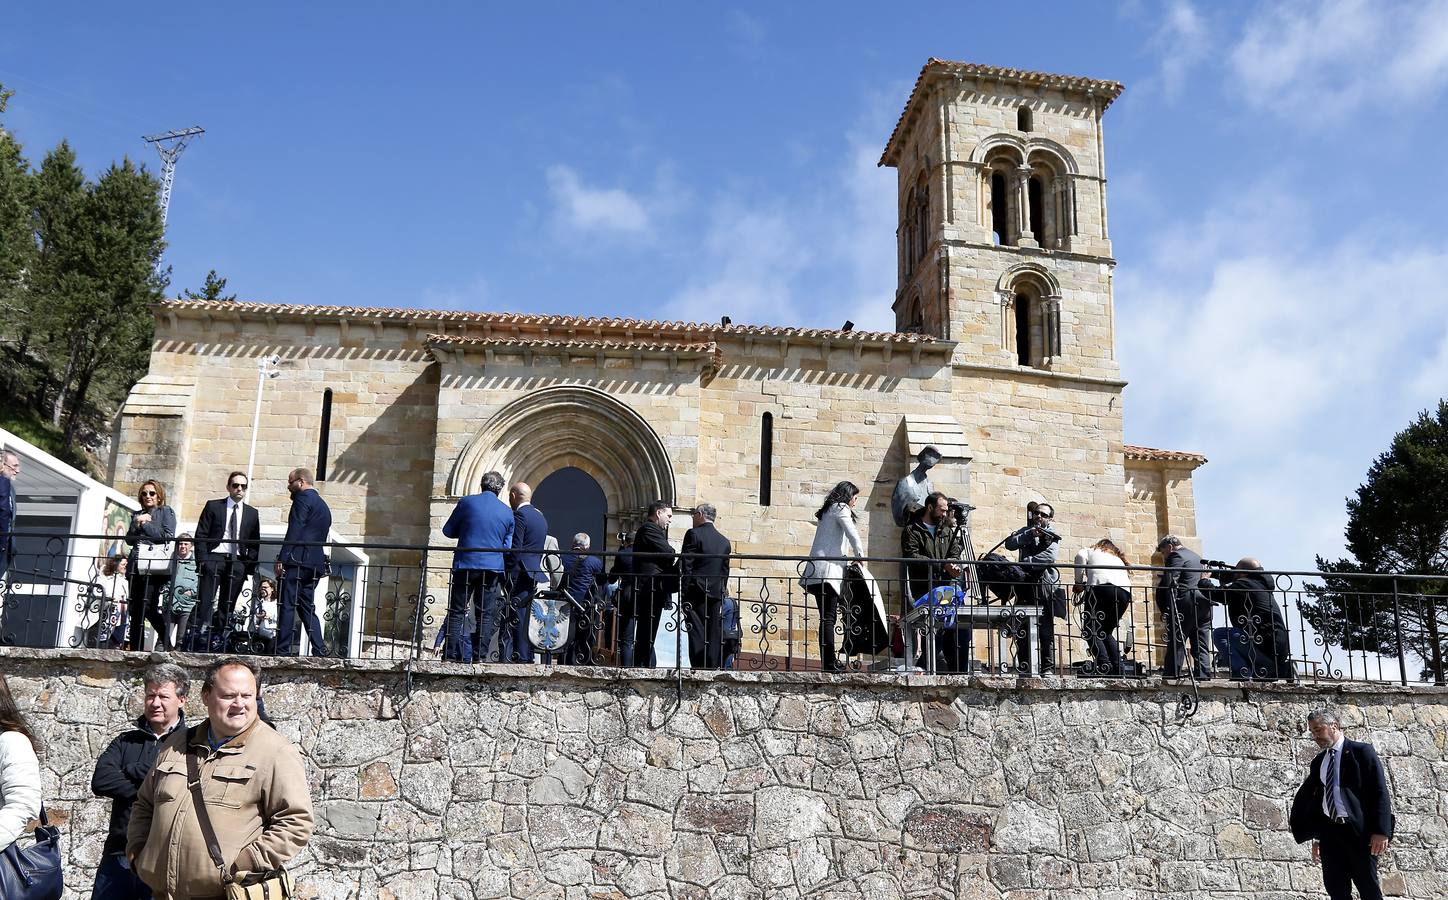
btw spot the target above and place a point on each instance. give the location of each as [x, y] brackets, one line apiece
[228, 537]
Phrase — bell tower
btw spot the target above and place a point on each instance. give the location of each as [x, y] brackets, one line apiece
[1002, 240]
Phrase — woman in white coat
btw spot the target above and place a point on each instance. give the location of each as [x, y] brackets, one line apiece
[836, 542]
[19, 771]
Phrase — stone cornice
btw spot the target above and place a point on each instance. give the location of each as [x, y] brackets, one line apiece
[939, 69]
[1023, 371]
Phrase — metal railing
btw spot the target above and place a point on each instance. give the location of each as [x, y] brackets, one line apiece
[391, 602]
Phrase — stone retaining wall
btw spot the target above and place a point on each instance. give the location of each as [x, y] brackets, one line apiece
[530, 782]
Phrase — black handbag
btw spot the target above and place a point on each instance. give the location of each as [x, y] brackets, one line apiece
[33, 873]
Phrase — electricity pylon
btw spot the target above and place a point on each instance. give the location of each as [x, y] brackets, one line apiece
[170, 145]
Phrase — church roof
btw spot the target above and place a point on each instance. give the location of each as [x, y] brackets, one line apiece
[571, 326]
[507, 343]
[1154, 455]
[935, 68]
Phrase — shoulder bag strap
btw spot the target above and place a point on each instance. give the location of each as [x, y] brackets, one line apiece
[203, 818]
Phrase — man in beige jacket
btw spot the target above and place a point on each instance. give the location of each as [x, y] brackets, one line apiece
[253, 785]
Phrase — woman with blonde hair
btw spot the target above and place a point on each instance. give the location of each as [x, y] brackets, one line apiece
[150, 535]
[1104, 586]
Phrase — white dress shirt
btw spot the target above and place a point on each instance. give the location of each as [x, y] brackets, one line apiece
[1333, 758]
[226, 547]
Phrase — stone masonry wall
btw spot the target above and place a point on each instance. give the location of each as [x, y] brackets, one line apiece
[530, 782]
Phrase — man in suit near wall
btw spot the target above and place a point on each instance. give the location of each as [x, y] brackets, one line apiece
[9, 471]
[655, 580]
[1186, 610]
[704, 583]
[525, 571]
[1344, 809]
[228, 537]
[479, 520]
[301, 564]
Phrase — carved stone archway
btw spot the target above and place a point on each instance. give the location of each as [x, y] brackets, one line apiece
[570, 425]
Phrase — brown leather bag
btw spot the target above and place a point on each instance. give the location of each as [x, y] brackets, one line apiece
[274, 885]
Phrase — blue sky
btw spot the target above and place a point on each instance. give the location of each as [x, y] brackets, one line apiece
[1275, 184]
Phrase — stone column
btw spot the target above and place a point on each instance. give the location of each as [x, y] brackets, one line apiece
[1051, 326]
[1023, 208]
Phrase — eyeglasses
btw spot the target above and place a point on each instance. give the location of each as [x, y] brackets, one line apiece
[237, 484]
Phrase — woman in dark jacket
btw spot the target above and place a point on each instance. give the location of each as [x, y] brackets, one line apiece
[153, 526]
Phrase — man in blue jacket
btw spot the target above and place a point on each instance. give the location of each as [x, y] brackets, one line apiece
[480, 523]
[525, 571]
[9, 469]
[301, 564]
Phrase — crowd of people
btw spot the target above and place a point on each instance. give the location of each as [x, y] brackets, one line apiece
[186, 586]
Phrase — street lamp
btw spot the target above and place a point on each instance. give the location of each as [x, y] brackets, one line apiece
[266, 367]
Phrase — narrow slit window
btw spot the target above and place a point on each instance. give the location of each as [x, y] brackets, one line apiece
[766, 457]
[1023, 330]
[324, 434]
[1036, 194]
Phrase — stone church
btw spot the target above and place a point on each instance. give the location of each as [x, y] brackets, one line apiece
[1003, 356]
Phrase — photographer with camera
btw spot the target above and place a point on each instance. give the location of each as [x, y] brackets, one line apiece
[1036, 544]
[1256, 633]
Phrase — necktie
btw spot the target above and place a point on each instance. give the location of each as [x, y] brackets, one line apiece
[1330, 784]
[231, 528]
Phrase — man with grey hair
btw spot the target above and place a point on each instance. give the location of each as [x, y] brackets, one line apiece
[482, 524]
[9, 471]
[704, 582]
[1344, 808]
[122, 767]
[1185, 609]
[582, 580]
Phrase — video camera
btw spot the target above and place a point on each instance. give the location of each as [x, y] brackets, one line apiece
[959, 511]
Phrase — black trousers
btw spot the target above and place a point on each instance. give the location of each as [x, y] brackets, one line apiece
[145, 606]
[1035, 593]
[705, 616]
[226, 575]
[1347, 861]
[1186, 623]
[1101, 612]
[828, 601]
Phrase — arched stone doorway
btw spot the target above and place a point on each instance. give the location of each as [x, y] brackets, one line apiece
[573, 502]
[578, 427]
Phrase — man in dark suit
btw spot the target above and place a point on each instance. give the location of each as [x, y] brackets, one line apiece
[704, 583]
[9, 470]
[228, 539]
[478, 521]
[525, 571]
[301, 564]
[1186, 610]
[1344, 809]
[655, 580]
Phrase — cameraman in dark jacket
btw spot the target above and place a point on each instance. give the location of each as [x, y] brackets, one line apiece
[1036, 543]
[122, 767]
[933, 546]
[1260, 628]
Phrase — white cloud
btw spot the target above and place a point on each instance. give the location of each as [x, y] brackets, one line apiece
[825, 255]
[1289, 363]
[747, 30]
[470, 296]
[1322, 60]
[582, 208]
[1183, 41]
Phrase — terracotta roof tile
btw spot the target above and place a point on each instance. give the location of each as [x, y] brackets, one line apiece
[1109, 90]
[533, 320]
[1151, 453]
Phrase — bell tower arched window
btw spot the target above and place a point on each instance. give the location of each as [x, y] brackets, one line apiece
[1000, 216]
[1025, 355]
